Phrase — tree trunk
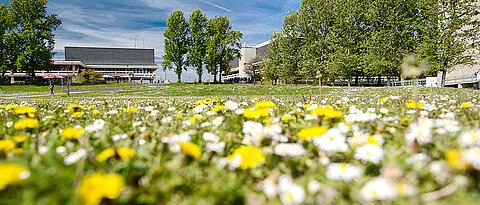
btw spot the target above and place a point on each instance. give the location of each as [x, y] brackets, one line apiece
[379, 82]
[356, 80]
[199, 75]
[179, 75]
[444, 74]
[215, 77]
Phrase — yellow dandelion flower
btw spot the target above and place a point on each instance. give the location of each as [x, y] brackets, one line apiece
[97, 186]
[91, 107]
[77, 114]
[311, 132]
[286, 117]
[11, 107]
[95, 112]
[130, 110]
[251, 156]
[75, 108]
[413, 105]
[106, 154]
[26, 123]
[179, 115]
[219, 108]
[72, 133]
[6, 145]
[19, 139]
[466, 105]
[328, 112]
[191, 150]
[382, 100]
[455, 159]
[24, 110]
[11, 173]
[264, 104]
[125, 153]
[256, 113]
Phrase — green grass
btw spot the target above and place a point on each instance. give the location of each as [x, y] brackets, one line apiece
[18, 90]
[242, 90]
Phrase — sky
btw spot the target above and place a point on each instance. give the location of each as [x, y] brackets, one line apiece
[141, 23]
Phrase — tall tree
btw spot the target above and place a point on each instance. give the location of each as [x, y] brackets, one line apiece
[176, 44]
[198, 36]
[223, 45]
[5, 19]
[32, 35]
[453, 37]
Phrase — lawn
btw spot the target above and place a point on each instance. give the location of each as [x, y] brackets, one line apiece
[7, 90]
[179, 144]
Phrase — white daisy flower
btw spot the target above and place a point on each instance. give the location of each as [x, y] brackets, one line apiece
[285, 149]
[332, 141]
[230, 105]
[379, 189]
[420, 132]
[343, 171]
[289, 192]
[470, 138]
[369, 153]
[472, 156]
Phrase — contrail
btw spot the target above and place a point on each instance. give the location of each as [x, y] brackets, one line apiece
[217, 6]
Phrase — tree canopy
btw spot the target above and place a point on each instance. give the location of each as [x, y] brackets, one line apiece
[176, 44]
[354, 38]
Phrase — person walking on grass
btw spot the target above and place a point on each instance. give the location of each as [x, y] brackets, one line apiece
[51, 87]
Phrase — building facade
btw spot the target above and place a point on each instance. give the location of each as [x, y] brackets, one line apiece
[237, 71]
[129, 64]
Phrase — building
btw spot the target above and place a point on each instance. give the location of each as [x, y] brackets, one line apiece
[129, 64]
[237, 72]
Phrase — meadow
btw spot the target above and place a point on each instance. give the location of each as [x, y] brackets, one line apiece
[239, 144]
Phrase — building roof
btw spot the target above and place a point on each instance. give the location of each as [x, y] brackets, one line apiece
[110, 56]
[262, 44]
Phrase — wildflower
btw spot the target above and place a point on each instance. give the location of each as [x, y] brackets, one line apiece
[285, 149]
[472, 156]
[406, 189]
[287, 117]
[343, 171]
[466, 105]
[256, 113]
[311, 132]
[264, 104]
[6, 145]
[382, 100]
[191, 150]
[122, 152]
[369, 153]
[252, 128]
[26, 123]
[219, 108]
[19, 139]
[248, 156]
[470, 138]
[11, 173]
[413, 105]
[72, 133]
[379, 189]
[215, 146]
[97, 186]
[422, 133]
[74, 157]
[328, 113]
[210, 137]
[230, 105]
[25, 110]
[95, 112]
[130, 110]
[75, 108]
[289, 192]
[331, 141]
[77, 114]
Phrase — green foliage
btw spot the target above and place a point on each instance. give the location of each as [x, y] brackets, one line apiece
[176, 43]
[223, 45]
[352, 38]
[197, 48]
[30, 41]
[89, 76]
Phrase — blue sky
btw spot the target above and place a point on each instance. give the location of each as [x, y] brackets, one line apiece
[126, 23]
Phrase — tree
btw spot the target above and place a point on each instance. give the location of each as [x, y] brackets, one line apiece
[273, 59]
[176, 44]
[5, 23]
[198, 36]
[451, 36]
[89, 76]
[223, 45]
[254, 69]
[32, 38]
